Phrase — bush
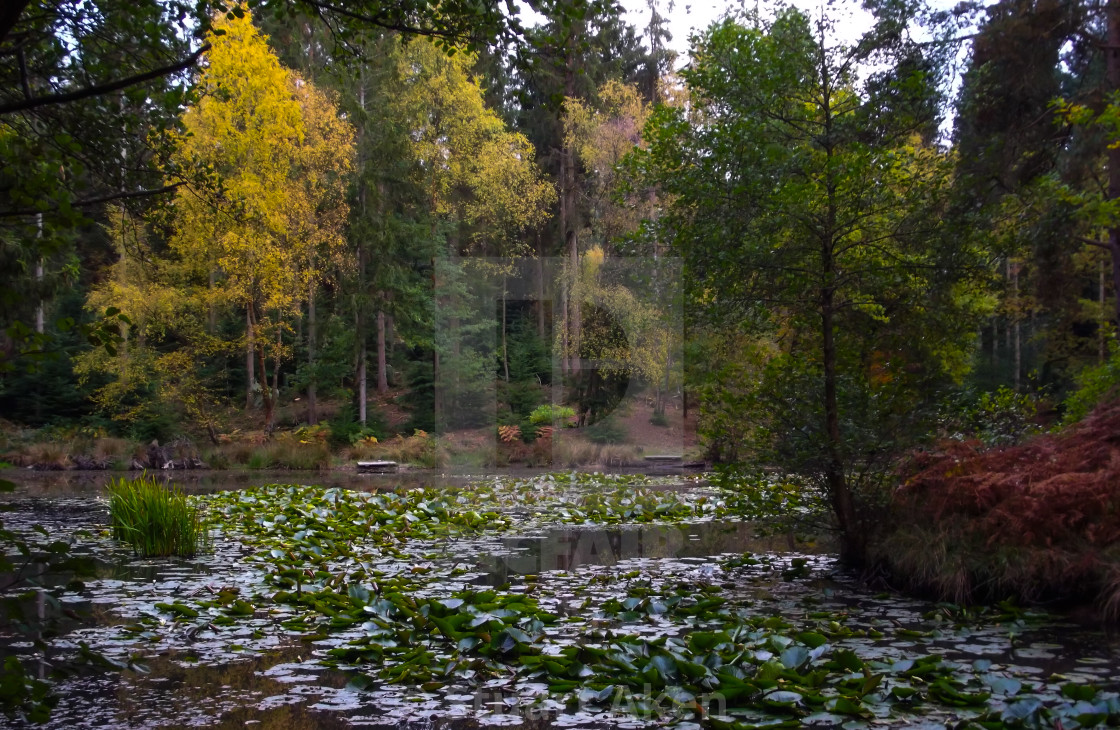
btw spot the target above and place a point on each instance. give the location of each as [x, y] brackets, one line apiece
[1093, 386]
[1037, 521]
[659, 419]
[549, 413]
[607, 431]
[521, 397]
[155, 520]
[1001, 418]
[346, 429]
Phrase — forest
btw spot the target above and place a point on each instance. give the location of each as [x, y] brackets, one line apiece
[292, 236]
[859, 292]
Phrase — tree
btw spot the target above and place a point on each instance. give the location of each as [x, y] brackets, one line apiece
[601, 138]
[91, 89]
[794, 221]
[573, 59]
[153, 374]
[1038, 175]
[483, 189]
[281, 155]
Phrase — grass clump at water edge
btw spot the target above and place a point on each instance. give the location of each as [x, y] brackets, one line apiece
[156, 520]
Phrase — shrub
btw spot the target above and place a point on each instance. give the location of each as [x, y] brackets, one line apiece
[155, 520]
[659, 419]
[521, 397]
[607, 431]
[1093, 386]
[1037, 521]
[509, 434]
[549, 413]
[346, 429]
[999, 418]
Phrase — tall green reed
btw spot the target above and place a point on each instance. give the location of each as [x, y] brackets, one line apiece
[156, 520]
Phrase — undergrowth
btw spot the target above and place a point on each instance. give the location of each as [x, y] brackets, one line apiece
[1037, 522]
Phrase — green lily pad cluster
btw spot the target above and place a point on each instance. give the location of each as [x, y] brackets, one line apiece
[604, 499]
[683, 650]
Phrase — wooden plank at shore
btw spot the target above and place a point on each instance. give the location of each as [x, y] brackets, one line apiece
[377, 466]
[663, 457]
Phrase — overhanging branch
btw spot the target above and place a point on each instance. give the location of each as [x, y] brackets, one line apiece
[99, 199]
[385, 23]
[106, 88]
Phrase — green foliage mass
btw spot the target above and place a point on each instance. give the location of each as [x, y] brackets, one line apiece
[1093, 386]
[819, 240]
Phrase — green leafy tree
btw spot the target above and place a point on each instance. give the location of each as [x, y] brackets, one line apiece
[795, 221]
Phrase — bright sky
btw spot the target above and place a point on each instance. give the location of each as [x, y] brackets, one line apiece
[687, 16]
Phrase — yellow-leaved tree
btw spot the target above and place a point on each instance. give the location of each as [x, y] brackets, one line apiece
[480, 176]
[485, 191]
[601, 136]
[281, 155]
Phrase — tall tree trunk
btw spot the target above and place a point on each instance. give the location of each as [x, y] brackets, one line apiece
[1113, 66]
[363, 395]
[40, 307]
[312, 404]
[382, 365]
[360, 332]
[274, 391]
[258, 350]
[212, 312]
[250, 351]
[568, 215]
[540, 287]
[564, 328]
[1102, 349]
[505, 348]
[359, 316]
[995, 346]
[1018, 329]
[1008, 326]
[437, 391]
[852, 540]
[574, 301]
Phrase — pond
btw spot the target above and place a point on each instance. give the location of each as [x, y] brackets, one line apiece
[529, 600]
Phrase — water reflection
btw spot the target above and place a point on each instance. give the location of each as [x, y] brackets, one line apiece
[569, 548]
[62, 484]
